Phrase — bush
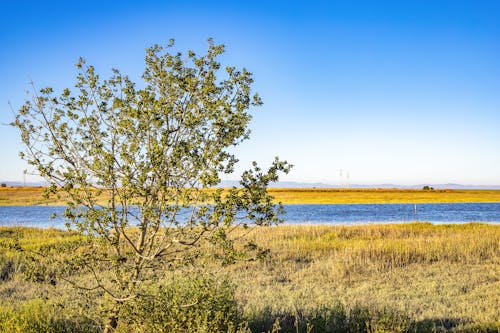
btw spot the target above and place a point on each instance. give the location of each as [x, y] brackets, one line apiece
[187, 304]
[455, 325]
[38, 315]
[335, 318]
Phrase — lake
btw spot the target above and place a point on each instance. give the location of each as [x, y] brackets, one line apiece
[39, 216]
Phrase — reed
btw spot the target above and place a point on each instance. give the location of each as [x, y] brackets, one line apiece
[431, 273]
[415, 277]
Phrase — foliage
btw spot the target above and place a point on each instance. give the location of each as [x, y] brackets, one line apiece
[337, 318]
[37, 256]
[151, 153]
[334, 318]
[38, 315]
[195, 303]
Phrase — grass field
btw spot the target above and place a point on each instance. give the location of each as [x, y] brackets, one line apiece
[432, 275]
[24, 196]
[378, 278]
[362, 196]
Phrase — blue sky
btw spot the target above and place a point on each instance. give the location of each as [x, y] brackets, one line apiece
[402, 92]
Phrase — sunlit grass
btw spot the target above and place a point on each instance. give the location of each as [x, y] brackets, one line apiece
[366, 196]
[430, 272]
[25, 196]
[434, 277]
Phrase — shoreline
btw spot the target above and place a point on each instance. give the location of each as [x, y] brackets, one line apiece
[32, 196]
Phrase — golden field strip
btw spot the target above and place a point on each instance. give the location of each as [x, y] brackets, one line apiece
[25, 196]
[380, 196]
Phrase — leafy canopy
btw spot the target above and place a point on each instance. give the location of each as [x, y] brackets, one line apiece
[139, 166]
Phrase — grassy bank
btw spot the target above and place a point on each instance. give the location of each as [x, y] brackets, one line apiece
[24, 196]
[367, 196]
[376, 278]
[432, 276]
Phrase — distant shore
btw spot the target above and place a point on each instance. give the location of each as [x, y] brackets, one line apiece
[29, 196]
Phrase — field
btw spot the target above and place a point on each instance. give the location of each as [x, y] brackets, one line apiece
[435, 277]
[376, 196]
[24, 196]
[377, 278]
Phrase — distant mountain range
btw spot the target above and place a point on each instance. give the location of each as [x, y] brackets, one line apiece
[21, 184]
[231, 183]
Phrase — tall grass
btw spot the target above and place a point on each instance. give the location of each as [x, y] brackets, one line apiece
[414, 277]
[432, 276]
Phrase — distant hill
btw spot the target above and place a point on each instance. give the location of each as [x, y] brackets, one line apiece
[231, 183]
[20, 184]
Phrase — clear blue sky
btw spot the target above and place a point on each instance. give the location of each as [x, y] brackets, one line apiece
[401, 92]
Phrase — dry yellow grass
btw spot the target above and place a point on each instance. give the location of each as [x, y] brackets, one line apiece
[436, 276]
[365, 196]
[432, 273]
[25, 196]
[21, 196]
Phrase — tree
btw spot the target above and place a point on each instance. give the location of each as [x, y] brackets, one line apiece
[139, 166]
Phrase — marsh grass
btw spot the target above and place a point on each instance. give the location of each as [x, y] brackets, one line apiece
[41, 315]
[414, 277]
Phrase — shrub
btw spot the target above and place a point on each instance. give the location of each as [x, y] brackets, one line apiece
[335, 318]
[8, 267]
[184, 304]
[38, 315]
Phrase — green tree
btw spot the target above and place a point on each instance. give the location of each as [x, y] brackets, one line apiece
[139, 167]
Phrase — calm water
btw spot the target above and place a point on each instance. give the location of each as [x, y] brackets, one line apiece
[39, 216]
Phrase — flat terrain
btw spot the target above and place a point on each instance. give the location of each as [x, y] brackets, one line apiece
[415, 277]
[380, 196]
[25, 196]
[431, 275]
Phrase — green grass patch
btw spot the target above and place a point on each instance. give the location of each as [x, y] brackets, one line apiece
[414, 277]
